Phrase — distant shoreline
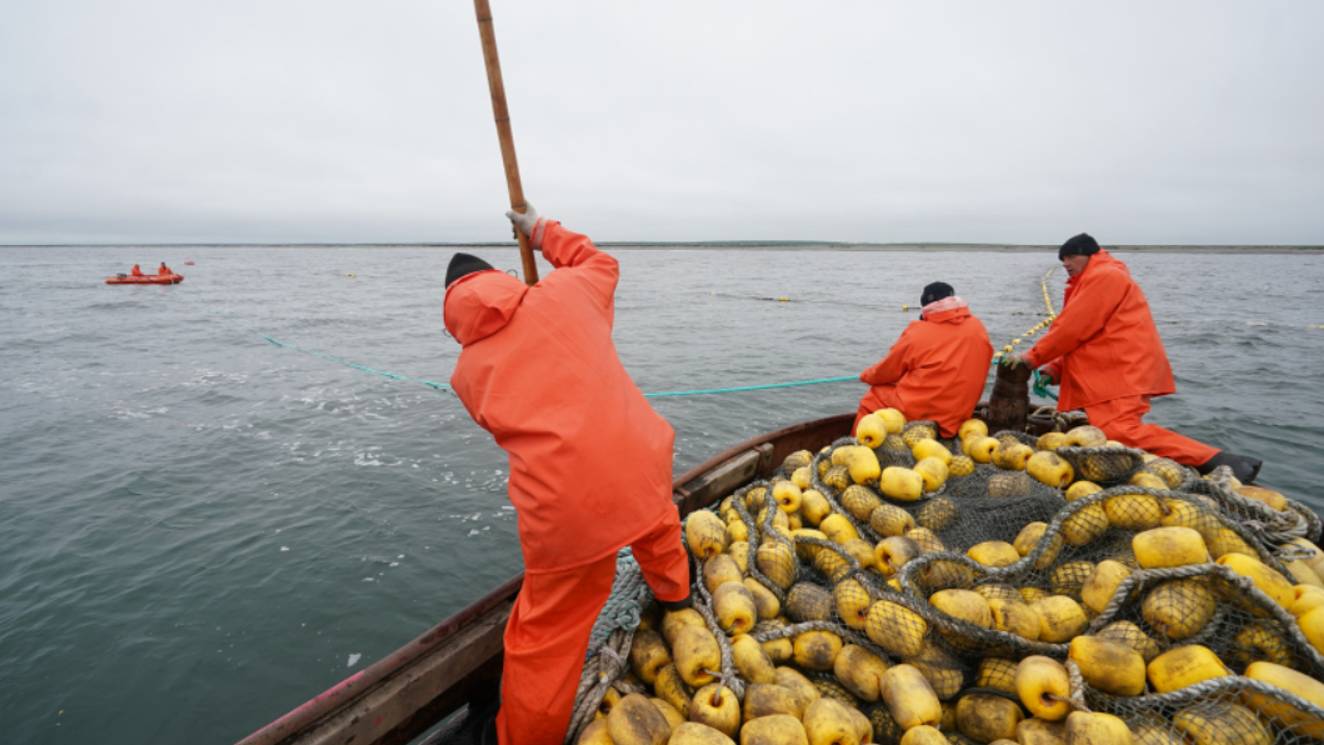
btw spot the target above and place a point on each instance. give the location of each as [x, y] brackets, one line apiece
[737, 245]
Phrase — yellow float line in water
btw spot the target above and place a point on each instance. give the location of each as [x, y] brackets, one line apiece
[1048, 320]
[1048, 302]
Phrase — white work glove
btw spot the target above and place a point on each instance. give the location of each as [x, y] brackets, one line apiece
[526, 222]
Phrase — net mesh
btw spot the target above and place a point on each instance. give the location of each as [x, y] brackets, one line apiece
[845, 572]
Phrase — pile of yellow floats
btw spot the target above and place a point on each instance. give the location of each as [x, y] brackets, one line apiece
[830, 612]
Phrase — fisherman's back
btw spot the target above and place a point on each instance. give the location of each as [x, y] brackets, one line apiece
[590, 460]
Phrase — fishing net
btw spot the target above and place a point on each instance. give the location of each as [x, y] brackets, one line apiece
[1103, 465]
[811, 584]
[988, 503]
[1227, 709]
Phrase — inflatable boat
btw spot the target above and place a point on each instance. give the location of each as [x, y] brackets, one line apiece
[146, 279]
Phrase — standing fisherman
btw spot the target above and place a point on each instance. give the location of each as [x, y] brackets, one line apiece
[1106, 352]
[590, 461]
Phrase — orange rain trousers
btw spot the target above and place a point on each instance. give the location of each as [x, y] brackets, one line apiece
[547, 635]
[1120, 419]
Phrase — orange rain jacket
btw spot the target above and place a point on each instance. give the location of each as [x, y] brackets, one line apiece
[590, 461]
[135, 271]
[1103, 345]
[936, 370]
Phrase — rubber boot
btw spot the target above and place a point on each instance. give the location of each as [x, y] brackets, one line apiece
[1244, 467]
[479, 726]
[488, 734]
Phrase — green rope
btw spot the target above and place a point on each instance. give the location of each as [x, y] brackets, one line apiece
[1040, 387]
[447, 389]
[360, 367]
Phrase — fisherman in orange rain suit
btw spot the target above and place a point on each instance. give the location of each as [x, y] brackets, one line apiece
[1105, 351]
[590, 461]
[135, 271]
[163, 270]
[938, 367]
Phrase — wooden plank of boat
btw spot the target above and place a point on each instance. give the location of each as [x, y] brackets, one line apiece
[459, 660]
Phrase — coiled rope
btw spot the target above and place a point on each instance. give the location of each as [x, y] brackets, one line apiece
[608, 652]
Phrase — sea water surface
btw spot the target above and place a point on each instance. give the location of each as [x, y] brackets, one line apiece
[200, 530]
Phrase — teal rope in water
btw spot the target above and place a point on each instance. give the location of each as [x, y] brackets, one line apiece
[360, 367]
[447, 389]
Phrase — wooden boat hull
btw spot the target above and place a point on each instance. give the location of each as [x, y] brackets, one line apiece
[458, 661]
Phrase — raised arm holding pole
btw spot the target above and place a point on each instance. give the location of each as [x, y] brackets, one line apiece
[502, 116]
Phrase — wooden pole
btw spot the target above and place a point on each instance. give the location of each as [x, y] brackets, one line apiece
[502, 116]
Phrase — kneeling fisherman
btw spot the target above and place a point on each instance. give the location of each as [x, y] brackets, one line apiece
[1105, 351]
[590, 461]
[938, 367]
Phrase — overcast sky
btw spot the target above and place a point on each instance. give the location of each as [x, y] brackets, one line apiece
[339, 121]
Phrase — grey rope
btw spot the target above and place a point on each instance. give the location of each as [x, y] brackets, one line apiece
[1077, 686]
[704, 604]
[1203, 691]
[629, 593]
[795, 629]
[609, 642]
[738, 503]
[601, 672]
[1273, 527]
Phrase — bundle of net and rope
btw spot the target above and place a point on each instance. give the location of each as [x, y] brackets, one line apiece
[898, 588]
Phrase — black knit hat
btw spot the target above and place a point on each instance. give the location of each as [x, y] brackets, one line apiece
[463, 264]
[1078, 245]
[935, 291]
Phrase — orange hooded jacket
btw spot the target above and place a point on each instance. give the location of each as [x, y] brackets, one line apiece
[590, 461]
[936, 370]
[1103, 345]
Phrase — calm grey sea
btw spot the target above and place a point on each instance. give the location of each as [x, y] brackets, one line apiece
[200, 530]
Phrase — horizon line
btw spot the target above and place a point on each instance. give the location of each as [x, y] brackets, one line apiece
[740, 243]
